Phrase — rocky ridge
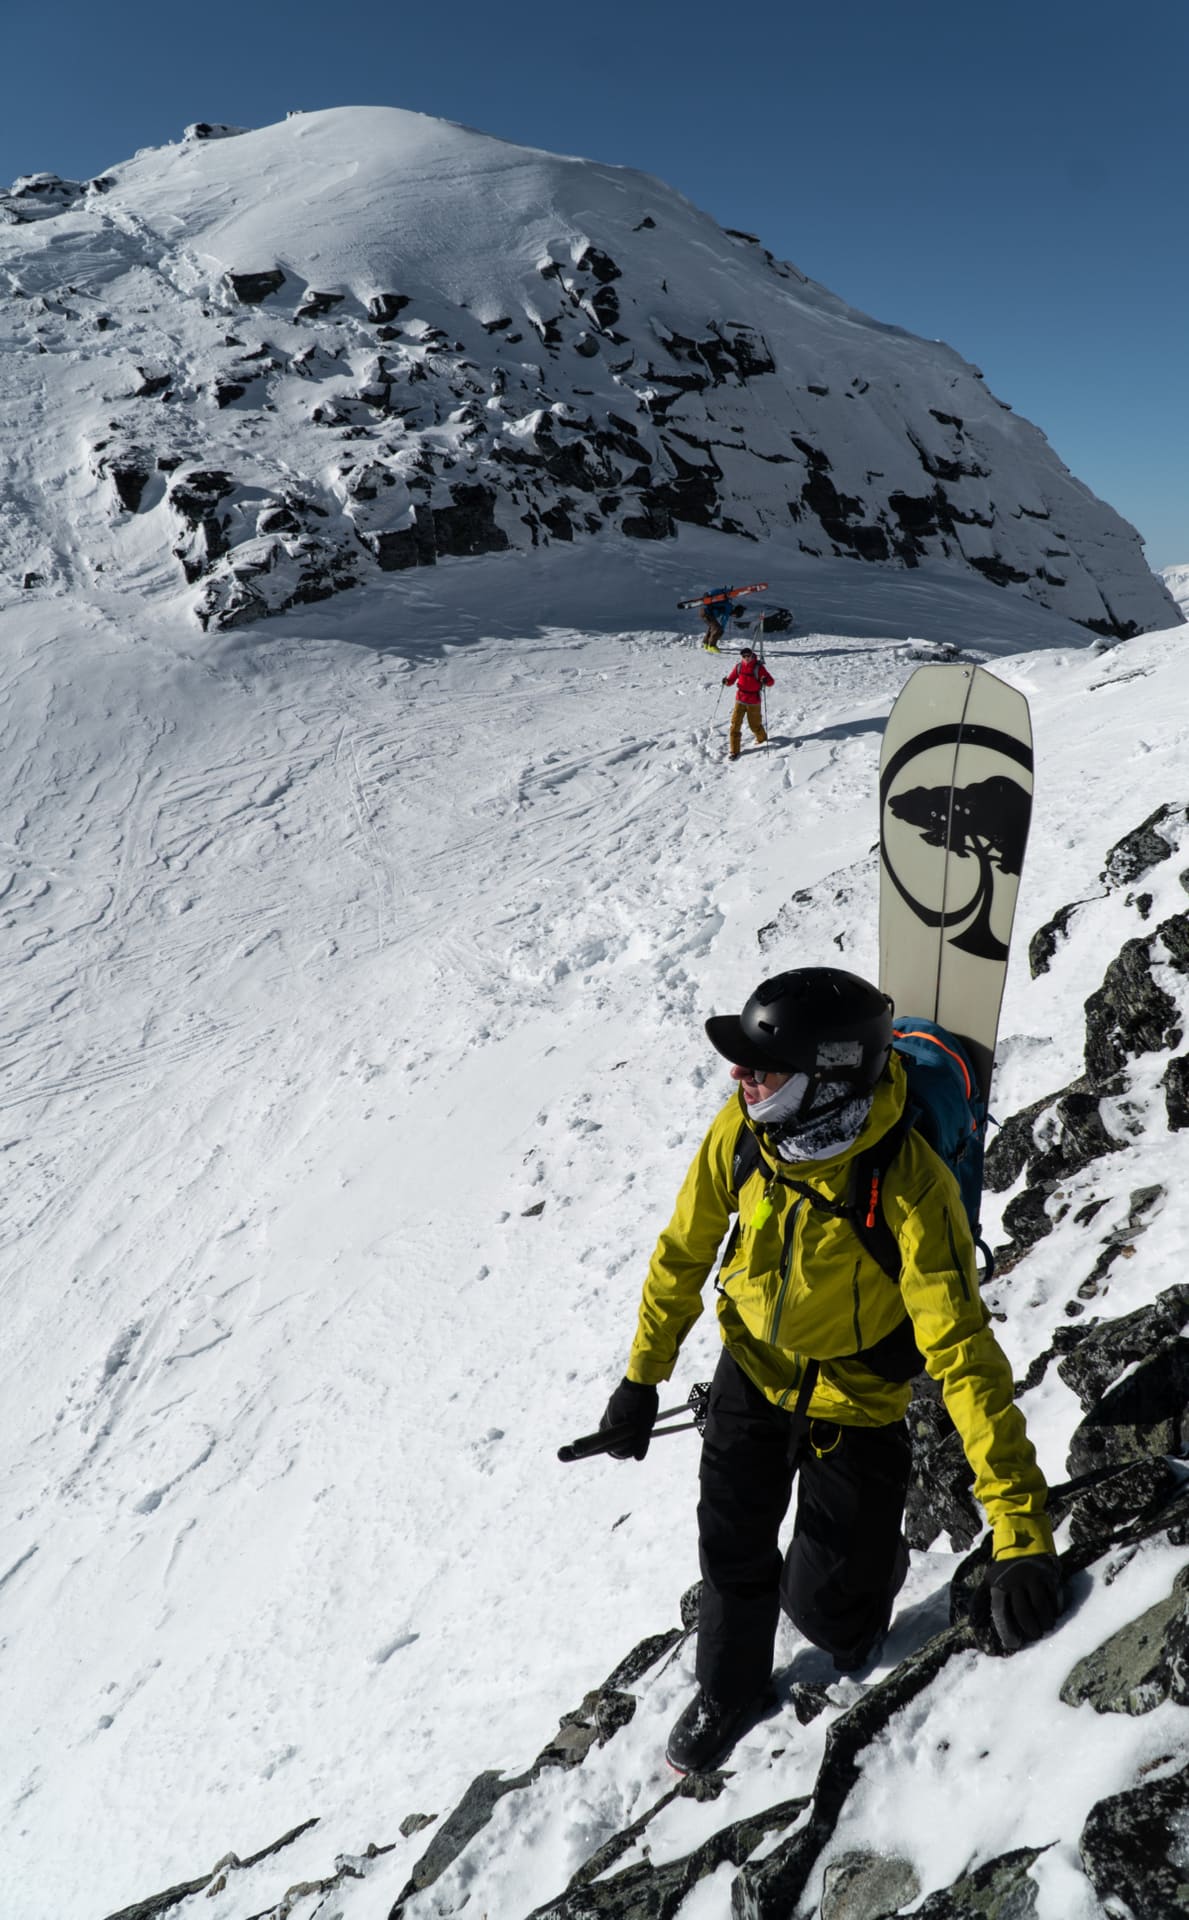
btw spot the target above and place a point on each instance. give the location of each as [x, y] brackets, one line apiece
[1077, 1169]
[618, 365]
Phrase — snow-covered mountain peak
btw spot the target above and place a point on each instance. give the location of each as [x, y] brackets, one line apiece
[350, 198]
[277, 363]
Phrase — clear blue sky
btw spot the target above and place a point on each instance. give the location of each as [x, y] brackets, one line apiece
[1012, 178]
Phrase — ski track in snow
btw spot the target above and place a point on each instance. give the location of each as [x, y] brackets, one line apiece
[325, 967]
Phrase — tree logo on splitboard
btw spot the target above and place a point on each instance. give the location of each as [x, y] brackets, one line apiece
[985, 821]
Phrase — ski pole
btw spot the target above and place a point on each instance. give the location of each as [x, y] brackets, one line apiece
[608, 1437]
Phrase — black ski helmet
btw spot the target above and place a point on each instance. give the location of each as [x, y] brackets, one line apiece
[819, 1021]
[747, 653]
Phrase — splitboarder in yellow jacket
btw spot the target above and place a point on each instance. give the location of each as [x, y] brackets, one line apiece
[805, 1385]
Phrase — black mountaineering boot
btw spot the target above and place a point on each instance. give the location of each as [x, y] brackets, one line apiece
[707, 1730]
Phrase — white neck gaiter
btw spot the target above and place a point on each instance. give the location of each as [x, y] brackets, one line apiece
[815, 1139]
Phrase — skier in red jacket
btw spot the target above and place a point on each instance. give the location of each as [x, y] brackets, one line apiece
[749, 679]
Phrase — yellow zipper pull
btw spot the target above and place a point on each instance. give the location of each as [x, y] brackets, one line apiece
[763, 1212]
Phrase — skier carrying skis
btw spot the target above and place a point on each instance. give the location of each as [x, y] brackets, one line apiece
[714, 612]
[749, 678]
[812, 1378]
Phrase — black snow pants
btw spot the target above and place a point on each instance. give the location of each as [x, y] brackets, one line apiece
[847, 1558]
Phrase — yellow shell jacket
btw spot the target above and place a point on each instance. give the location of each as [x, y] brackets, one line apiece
[800, 1285]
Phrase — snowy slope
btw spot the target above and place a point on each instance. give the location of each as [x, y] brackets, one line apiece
[353, 1057]
[1176, 579]
[266, 367]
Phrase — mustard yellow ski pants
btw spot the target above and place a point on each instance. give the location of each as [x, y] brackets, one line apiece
[754, 721]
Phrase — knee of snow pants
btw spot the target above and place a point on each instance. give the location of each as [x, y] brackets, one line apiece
[848, 1559]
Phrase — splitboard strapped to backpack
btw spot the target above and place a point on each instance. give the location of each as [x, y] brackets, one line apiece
[955, 803]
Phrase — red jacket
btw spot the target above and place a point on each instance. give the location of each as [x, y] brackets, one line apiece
[748, 678]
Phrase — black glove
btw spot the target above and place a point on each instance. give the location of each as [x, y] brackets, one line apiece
[1025, 1598]
[724, 679]
[637, 1404]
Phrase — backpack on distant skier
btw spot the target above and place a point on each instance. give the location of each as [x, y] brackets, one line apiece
[947, 1109]
[774, 620]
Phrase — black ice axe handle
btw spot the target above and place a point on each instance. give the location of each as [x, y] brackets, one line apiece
[617, 1436]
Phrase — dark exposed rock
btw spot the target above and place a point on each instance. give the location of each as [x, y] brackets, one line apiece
[648, 1892]
[558, 521]
[1065, 1339]
[604, 305]
[601, 265]
[1176, 1093]
[1121, 1506]
[384, 307]
[466, 526]
[1147, 1413]
[416, 1823]
[313, 305]
[867, 1886]
[1143, 848]
[1027, 1220]
[173, 1896]
[162, 1902]
[691, 1601]
[1173, 934]
[1106, 1351]
[195, 494]
[993, 567]
[655, 524]
[1044, 942]
[806, 1702]
[1130, 1014]
[603, 1712]
[129, 472]
[1012, 1147]
[1001, 1889]
[274, 519]
[251, 288]
[1074, 1136]
[1143, 1664]
[939, 1497]
[1132, 1848]
[920, 517]
[212, 130]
